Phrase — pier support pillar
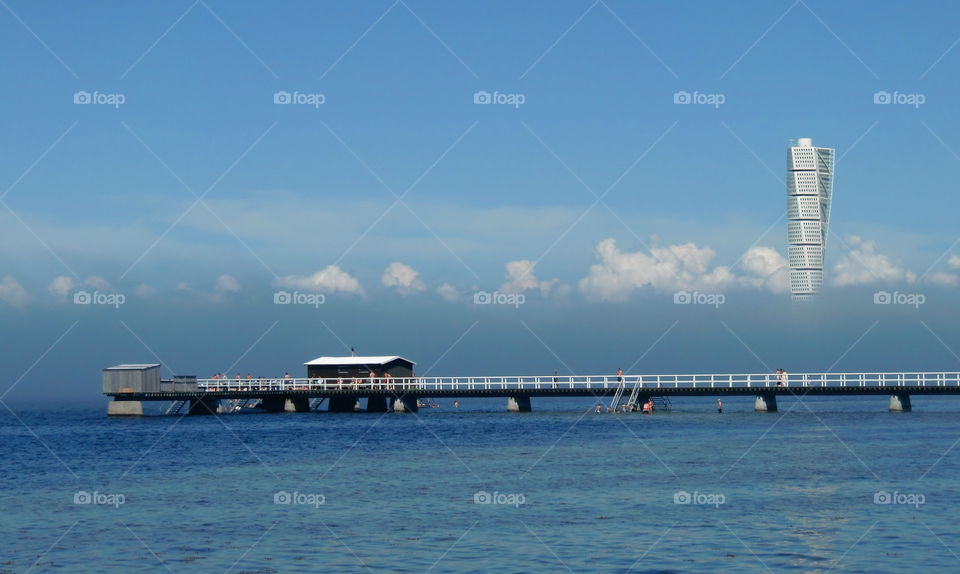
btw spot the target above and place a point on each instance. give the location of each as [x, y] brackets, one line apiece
[766, 403]
[341, 404]
[203, 406]
[296, 405]
[900, 403]
[376, 404]
[518, 404]
[405, 404]
[117, 408]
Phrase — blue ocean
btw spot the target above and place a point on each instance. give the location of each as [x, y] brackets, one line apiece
[824, 485]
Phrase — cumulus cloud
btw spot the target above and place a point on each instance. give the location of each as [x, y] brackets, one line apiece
[862, 265]
[766, 268]
[944, 279]
[12, 293]
[448, 292]
[671, 268]
[520, 278]
[62, 286]
[328, 280]
[675, 267]
[402, 278]
[226, 284]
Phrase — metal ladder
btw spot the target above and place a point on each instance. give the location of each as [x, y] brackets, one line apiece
[175, 407]
[618, 395]
[634, 395]
[315, 403]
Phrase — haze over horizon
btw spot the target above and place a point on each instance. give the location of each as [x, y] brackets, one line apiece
[241, 188]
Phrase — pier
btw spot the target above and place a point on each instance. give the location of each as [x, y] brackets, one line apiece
[401, 394]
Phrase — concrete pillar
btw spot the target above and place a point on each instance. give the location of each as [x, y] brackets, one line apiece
[341, 404]
[117, 408]
[900, 403]
[766, 402]
[518, 404]
[376, 404]
[203, 406]
[405, 404]
[296, 405]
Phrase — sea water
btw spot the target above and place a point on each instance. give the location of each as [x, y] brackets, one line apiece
[826, 484]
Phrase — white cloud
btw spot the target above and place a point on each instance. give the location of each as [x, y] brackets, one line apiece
[13, 293]
[862, 265]
[226, 284]
[62, 286]
[619, 273]
[520, 278]
[767, 268]
[448, 292]
[402, 278]
[943, 278]
[328, 280]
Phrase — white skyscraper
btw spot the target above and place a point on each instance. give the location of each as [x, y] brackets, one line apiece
[809, 190]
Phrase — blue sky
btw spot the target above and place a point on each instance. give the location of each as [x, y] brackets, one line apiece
[302, 198]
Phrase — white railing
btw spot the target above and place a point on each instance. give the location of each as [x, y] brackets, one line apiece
[591, 382]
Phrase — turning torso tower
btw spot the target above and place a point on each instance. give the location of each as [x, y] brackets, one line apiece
[809, 190]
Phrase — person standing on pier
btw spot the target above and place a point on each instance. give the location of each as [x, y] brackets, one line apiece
[619, 375]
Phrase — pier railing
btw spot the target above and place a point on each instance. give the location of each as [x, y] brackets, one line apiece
[423, 385]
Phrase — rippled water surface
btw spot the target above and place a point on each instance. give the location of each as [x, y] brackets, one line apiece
[478, 490]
